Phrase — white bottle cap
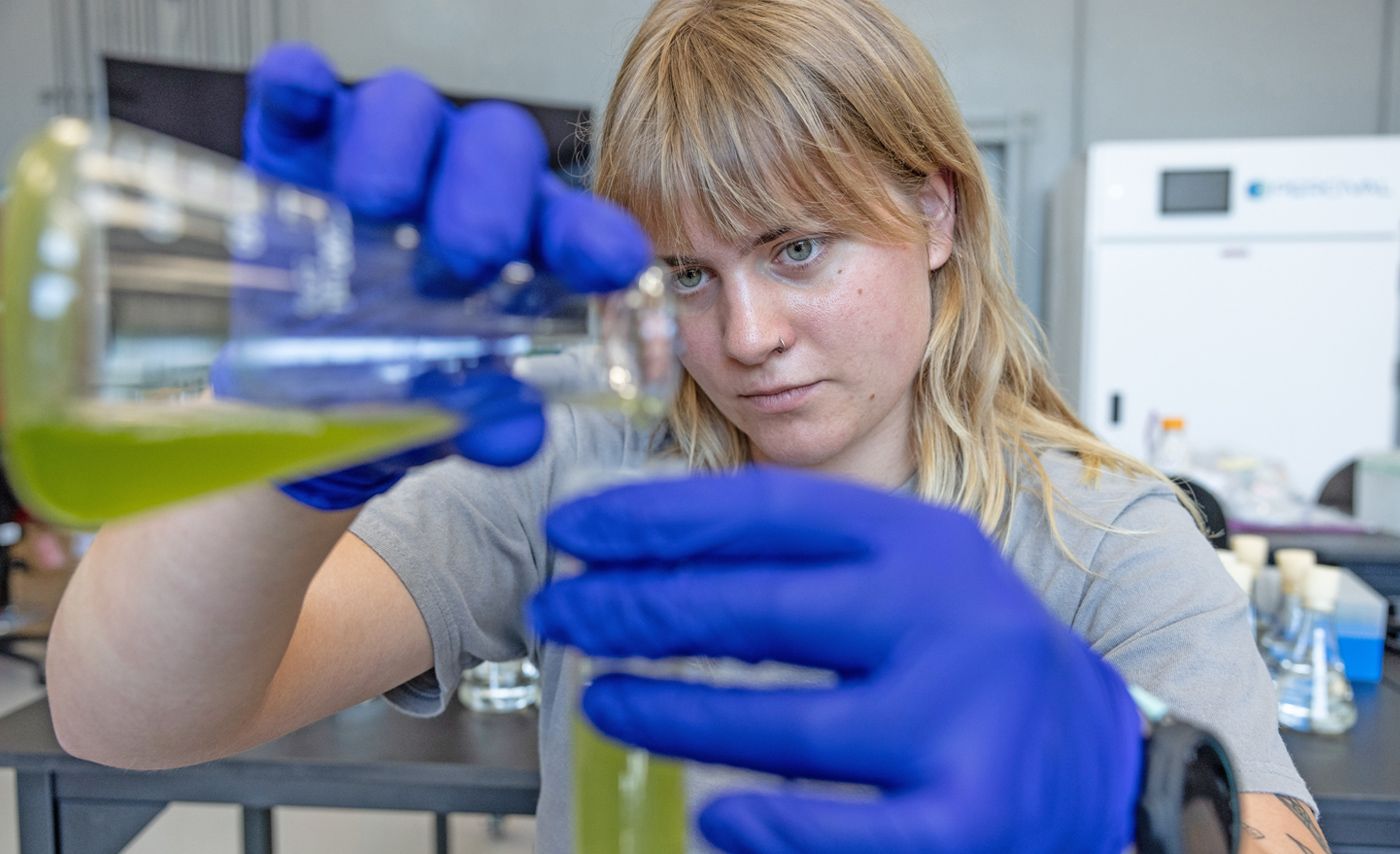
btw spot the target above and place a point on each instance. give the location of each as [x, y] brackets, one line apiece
[1322, 585]
[1252, 549]
[1293, 566]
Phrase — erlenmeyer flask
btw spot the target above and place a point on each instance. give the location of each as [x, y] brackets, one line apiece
[133, 264]
[1314, 694]
[1294, 566]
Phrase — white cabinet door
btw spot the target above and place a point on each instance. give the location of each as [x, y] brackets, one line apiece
[1282, 349]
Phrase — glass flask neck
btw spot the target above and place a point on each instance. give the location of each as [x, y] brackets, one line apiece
[1316, 631]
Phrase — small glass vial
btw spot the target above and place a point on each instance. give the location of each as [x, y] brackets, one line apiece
[1172, 454]
[500, 686]
[1313, 691]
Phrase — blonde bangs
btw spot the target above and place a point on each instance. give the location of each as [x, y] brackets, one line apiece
[721, 135]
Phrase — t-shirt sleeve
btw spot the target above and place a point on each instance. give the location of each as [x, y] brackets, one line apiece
[1194, 649]
[467, 542]
[459, 538]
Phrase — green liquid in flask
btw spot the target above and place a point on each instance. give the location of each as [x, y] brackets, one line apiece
[626, 801]
[78, 458]
[92, 465]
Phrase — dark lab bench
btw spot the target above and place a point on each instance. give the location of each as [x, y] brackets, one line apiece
[366, 757]
[372, 757]
[1356, 777]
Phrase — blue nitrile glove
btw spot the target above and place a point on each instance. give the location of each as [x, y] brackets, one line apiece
[476, 182]
[986, 724]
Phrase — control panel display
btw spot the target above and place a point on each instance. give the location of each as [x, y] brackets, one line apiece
[1196, 191]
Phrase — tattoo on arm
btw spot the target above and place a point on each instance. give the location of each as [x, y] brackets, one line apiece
[1304, 815]
[1302, 849]
[1254, 832]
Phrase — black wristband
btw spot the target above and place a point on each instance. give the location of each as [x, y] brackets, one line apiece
[1188, 803]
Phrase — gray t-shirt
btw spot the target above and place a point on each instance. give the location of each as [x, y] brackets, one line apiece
[467, 542]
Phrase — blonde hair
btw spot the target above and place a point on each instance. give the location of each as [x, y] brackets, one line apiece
[804, 113]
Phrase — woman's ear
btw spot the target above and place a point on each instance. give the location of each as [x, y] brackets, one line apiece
[939, 202]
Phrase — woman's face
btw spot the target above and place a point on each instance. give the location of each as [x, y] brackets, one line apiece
[810, 343]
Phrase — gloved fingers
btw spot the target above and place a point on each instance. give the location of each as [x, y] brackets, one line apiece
[482, 208]
[1038, 782]
[294, 87]
[503, 417]
[340, 490]
[761, 612]
[592, 244]
[388, 145]
[758, 513]
[288, 125]
[783, 822]
[817, 733]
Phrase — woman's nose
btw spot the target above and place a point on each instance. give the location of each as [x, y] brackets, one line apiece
[755, 322]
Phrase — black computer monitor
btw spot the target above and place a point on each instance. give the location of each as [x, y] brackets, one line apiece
[205, 106]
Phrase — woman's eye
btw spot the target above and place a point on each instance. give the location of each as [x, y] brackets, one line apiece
[687, 278]
[799, 251]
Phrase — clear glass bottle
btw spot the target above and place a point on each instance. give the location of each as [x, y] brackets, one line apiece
[1313, 692]
[1171, 453]
[1294, 565]
[500, 686]
[136, 270]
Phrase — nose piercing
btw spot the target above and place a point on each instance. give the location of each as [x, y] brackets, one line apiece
[781, 346]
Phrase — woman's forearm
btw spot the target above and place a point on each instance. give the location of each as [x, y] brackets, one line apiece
[174, 623]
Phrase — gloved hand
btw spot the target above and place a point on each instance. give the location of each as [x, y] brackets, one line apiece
[987, 725]
[476, 181]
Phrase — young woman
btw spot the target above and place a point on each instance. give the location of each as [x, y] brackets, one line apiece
[984, 574]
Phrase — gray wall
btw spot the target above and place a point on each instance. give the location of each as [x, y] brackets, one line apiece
[27, 67]
[1044, 76]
